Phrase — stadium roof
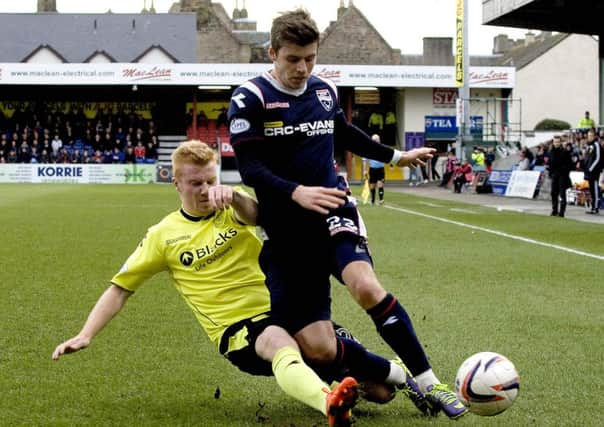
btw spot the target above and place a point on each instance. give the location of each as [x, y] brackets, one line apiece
[76, 37]
[568, 16]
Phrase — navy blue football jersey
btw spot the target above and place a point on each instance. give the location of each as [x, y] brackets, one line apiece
[285, 138]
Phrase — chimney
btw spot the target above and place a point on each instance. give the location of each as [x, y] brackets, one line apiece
[341, 9]
[438, 51]
[501, 44]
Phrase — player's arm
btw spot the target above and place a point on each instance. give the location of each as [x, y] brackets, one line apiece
[354, 139]
[108, 305]
[245, 207]
[247, 139]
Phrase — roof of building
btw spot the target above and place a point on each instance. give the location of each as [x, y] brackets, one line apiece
[522, 55]
[254, 38]
[75, 37]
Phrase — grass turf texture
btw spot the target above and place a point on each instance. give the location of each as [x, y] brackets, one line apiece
[465, 291]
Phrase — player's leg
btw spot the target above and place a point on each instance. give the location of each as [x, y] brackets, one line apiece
[260, 348]
[372, 184]
[353, 266]
[395, 327]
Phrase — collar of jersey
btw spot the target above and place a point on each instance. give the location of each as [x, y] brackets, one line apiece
[195, 218]
[275, 83]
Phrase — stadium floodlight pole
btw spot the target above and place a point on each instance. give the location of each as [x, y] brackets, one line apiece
[462, 80]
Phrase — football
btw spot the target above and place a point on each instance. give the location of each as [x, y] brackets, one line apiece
[487, 383]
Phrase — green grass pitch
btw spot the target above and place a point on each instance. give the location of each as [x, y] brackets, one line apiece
[466, 291]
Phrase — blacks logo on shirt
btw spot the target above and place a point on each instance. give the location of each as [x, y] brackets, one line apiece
[186, 258]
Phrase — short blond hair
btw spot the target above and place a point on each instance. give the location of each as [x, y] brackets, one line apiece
[194, 152]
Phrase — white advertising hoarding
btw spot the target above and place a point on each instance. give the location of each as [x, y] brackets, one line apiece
[523, 184]
[236, 74]
[78, 173]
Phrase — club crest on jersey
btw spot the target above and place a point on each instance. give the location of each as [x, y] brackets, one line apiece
[325, 99]
[239, 125]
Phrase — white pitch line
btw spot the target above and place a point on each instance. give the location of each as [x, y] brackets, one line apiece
[498, 233]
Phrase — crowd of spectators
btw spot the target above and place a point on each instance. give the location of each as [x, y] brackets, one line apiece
[575, 141]
[37, 135]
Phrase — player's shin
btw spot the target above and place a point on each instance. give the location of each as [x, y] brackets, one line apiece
[298, 380]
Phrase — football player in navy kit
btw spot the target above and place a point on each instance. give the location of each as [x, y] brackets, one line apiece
[284, 125]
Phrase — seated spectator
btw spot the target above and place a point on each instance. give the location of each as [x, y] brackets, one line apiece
[77, 156]
[150, 151]
[44, 157]
[526, 159]
[63, 156]
[86, 157]
[462, 175]
[139, 151]
[56, 144]
[117, 156]
[98, 157]
[449, 169]
[24, 153]
[12, 156]
[129, 156]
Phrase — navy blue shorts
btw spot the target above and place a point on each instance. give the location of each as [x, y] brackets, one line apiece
[297, 277]
[347, 238]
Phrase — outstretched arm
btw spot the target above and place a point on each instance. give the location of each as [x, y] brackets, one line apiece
[108, 305]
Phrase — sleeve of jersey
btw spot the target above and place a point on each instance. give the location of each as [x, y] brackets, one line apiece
[351, 138]
[247, 138]
[146, 260]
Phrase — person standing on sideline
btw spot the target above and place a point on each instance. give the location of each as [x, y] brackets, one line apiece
[284, 125]
[560, 164]
[593, 168]
[586, 122]
[377, 176]
[210, 248]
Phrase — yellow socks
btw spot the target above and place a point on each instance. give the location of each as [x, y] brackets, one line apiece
[298, 380]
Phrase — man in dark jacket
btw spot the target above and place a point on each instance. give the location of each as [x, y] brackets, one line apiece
[560, 165]
[593, 169]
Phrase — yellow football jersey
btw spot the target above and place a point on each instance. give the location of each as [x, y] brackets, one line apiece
[213, 262]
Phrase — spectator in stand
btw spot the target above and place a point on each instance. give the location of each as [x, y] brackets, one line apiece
[462, 175]
[593, 168]
[526, 158]
[64, 156]
[586, 122]
[540, 156]
[450, 168]
[77, 156]
[4, 145]
[140, 151]
[150, 151]
[129, 156]
[117, 156]
[107, 156]
[86, 157]
[222, 117]
[98, 157]
[489, 159]
[44, 157]
[477, 158]
[56, 144]
[24, 153]
[12, 156]
[560, 165]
